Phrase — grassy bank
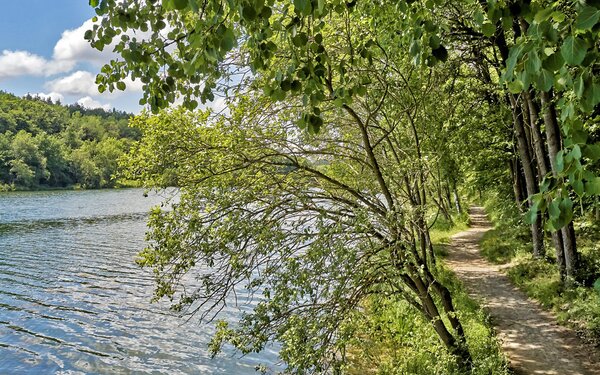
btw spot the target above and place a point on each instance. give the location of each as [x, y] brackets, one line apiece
[396, 339]
[119, 184]
[577, 307]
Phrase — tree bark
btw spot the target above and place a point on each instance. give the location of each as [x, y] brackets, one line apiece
[567, 259]
[541, 157]
[538, 141]
[537, 237]
[455, 345]
[456, 198]
[516, 182]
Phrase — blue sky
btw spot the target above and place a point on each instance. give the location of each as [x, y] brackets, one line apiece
[42, 52]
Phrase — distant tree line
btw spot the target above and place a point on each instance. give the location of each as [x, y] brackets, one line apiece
[48, 145]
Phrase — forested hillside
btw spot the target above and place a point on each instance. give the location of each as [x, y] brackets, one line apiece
[47, 145]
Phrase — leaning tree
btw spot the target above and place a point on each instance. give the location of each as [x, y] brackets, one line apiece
[311, 189]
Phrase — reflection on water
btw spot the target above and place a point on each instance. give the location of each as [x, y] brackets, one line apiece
[73, 301]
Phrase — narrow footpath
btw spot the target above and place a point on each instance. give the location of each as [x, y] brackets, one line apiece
[531, 338]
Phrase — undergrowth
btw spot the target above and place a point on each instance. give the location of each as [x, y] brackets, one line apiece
[395, 339]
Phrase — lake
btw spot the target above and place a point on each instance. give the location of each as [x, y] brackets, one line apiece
[73, 301]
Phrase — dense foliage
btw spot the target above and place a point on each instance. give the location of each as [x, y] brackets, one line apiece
[47, 145]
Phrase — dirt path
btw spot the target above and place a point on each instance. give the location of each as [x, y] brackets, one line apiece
[531, 339]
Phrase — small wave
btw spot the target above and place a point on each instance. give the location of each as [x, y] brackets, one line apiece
[11, 227]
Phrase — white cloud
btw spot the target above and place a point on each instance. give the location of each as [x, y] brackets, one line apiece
[70, 50]
[84, 83]
[78, 83]
[72, 47]
[90, 103]
[20, 63]
[54, 96]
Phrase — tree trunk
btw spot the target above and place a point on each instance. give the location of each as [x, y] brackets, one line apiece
[571, 255]
[456, 198]
[541, 157]
[538, 141]
[455, 344]
[516, 182]
[448, 196]
[530, 176]
[567, 258]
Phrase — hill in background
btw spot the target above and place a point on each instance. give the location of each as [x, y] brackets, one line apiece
[49, 145]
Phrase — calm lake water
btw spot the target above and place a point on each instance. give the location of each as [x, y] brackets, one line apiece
[73, 301]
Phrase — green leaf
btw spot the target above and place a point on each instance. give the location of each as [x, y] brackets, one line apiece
[532, 214]
[591, 96]
[592, 187]
[592, 152]
[597, 285]
[94, 3]
[587, 18]
[300, 40]
[560, 162]
[228, 40]
[488, 29]
[578, 136]
[573, 50]
[577, 186]
[554, 62]
[121, 85]
[558, 16]
[249, 13]
[553, 209]
[303, 7]
[434, 41]
[566, 212]
[478, 17]
[576, 152]
[533, 64]
[545, 184]
[579, 85]
[543, 15]
[515, 87]
[180, 4]
[513, 57]
[414, 48]
[545, 80]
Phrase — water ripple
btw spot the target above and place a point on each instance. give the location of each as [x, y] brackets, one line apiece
[72, 300]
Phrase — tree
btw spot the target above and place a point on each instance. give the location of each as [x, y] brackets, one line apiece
[316, 211]
[300, 219]
[29, 164]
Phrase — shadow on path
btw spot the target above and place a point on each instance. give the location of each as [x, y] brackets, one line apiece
[531, 339]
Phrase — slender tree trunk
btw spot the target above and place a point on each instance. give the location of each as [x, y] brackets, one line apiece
[526, 127]
[516, 182]
[567, 259]
[448, 196]
[541, 157]
[530, 177]
[455, 344]
[538, 141]
[571, 255]
[456, 197]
